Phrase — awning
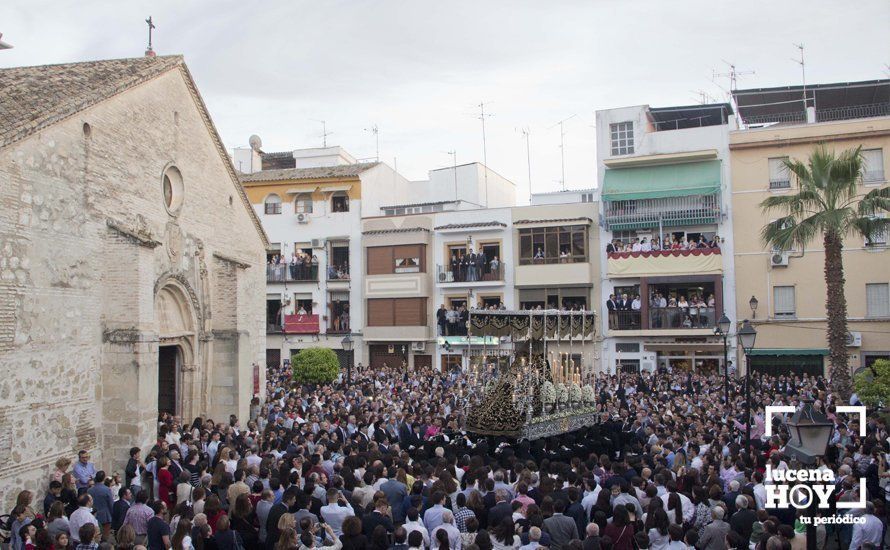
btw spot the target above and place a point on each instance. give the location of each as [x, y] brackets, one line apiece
[655, 182]
[684, 346]
[788, 351]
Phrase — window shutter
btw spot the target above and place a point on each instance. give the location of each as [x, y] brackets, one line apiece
[380, 312]
[877, 300]
[380, 260]
[873, 165]
[410, 312]
[783, 300]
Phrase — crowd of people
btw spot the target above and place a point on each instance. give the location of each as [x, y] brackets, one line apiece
[667, 242]
[301, 266]
[382, 464]
[474, 266]
[666, 310]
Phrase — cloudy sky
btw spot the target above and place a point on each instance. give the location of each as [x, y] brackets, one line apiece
[419, 69]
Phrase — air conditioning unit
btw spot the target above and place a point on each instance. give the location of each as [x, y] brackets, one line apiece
[854, 339]
[443, 276]
[302, 218]
[648, 362]
[778, 259]
[317, 243]
[418, 346]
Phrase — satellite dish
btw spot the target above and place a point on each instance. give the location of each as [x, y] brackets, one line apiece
[255, 142]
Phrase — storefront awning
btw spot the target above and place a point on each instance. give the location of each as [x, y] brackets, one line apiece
[656, 182]
[788, 351]
[684, 346]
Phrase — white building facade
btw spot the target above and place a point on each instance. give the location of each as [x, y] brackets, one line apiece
[664, 178]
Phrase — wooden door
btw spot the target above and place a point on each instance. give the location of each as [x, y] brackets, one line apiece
[167, 359]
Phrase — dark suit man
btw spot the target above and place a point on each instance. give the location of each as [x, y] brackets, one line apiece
[288, 499]
[500, 510]
[375, 518]
[562, 528]
[120, 508]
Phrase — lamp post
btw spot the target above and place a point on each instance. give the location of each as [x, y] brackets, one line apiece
[347, 344]
[722, 329]
[747, 335]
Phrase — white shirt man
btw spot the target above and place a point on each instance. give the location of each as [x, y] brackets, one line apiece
[636, 304]
[454, 542]
[333, 513]
[872, 530]
[646, 246]
[636, 247]
[81, 517]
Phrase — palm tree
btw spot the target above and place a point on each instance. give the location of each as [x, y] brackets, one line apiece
[827, 202]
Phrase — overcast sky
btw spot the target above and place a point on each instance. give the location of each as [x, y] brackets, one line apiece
[418, 70]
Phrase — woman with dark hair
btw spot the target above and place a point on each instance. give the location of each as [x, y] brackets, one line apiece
[483, 539]
[69, 493]
[182, 538]
[224, 537]
[675, 508]
[214, 512]
[702, 515]
[352, 538]
[659, 539]
[244, 521]
[504, 535]
[621, 531]
[379, 540]
[166, 487]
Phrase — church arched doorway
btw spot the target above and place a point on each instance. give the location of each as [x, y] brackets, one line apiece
[176, 349]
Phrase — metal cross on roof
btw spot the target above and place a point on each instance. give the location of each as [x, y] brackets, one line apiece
[151, 27]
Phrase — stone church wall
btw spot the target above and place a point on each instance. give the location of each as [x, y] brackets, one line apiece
[86, 243]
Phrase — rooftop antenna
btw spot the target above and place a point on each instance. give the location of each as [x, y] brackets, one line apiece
[528, 156]
[703, 97]
[562, 147]
[453, 154]
[149, 52]
[324, 133]
[376, 131]
[803, 73]
[733, 76]
[482, 117]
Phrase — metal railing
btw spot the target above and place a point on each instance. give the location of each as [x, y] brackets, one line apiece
[780, 184]
[868, 110]
[467, 274]
[337, 274]
[682, 317]
[625, 320]
[642, 213]
[280, 273]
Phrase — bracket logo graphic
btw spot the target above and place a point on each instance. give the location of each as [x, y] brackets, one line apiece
[860, 410]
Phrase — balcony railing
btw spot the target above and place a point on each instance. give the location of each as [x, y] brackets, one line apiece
[823, 115]
[678, 318]
[338, 274]
[279, 273]
[780, 183]
[467, 275]
[274, 328]
[624, 320]
[669, 212]
[301, 324]
[682, 317]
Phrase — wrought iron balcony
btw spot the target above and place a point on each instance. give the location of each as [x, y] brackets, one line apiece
[464, 275]
[668, 212]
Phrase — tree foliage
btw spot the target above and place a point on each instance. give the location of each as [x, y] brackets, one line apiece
[315, 366]
[827, 204]
[873, 384]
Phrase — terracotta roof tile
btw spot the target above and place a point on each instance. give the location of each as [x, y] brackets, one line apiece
[323, 172]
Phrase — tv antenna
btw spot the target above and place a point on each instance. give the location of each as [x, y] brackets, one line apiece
[803, 73]
[453, 155]
[324, 133]
[733, 75]
[562, 147]
[528, 156]
[703, 97]
[482, 117]
[376, 131]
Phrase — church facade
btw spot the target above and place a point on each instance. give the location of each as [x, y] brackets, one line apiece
[130, 263]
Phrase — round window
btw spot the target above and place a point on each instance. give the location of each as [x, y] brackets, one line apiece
[172, 189]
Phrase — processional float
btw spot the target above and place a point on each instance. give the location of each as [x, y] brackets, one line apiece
[538, 393]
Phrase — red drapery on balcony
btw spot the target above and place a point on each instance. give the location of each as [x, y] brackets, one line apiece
[301, 324]
[657, 253]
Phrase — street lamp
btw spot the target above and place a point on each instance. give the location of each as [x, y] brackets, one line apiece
[722, 329]
[747, 335]
[752, 303]
[347, 344]
[810, 432]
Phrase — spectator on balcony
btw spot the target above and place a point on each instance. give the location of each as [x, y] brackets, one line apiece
[646, 246]
[301, 311]
[452, 319]
[495, 268]
[711, 301]
[636, 246]
[612, 307]
[481, 264]
[462, 267]
[472, 274]
[441, 319]
[682, 303]
[655, 245]
[611, 247]
[636, 304]
[539, 255]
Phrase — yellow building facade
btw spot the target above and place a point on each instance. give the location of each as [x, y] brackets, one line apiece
[787, 289]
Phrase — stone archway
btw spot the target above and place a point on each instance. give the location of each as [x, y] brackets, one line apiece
[177, 333]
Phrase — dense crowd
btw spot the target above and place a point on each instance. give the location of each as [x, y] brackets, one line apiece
[383, 464]
[667, 242]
